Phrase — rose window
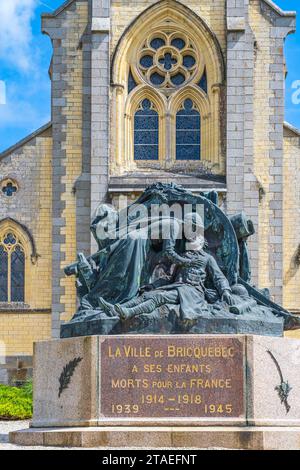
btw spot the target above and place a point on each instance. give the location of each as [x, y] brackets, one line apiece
[168, 60]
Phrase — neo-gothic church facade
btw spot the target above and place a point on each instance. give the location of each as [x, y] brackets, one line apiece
[190, 92]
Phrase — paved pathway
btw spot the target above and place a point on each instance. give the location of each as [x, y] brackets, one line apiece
[6, 427]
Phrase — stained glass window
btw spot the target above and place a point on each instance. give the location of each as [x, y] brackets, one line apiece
[146, 61]
[188, 132]
[17, 275]
[188, 61]
[178, 79]
[146, 132]
[156, 43]
[3, 274]
[131, 82]
[168, 62]
[9, 188]
[178, 42]
[12, 269]
[203, 82]
[168, 90]
[157, 79]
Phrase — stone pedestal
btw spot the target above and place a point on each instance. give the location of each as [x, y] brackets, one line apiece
[183, 391]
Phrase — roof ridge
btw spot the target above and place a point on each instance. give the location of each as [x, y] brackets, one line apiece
[58, 10]
[278, 9]
[292, 128]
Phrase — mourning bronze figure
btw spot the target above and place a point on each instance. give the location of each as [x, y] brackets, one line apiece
[196, 282]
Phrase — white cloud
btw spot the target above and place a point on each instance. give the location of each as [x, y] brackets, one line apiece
[21, 114]
[2, 92]
[16, 32]
[24, 107]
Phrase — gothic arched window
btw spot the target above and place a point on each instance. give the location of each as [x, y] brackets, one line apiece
[146, 135]
[166, 103]
[188, 132]
[166, 57]
[12, 269]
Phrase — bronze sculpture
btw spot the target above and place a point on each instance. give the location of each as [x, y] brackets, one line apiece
[197, 283]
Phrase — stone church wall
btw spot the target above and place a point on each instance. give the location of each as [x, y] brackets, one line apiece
[291, 220]
[63, 171]
[29, 165]
[70, 93]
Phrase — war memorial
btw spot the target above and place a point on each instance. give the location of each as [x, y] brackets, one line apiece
[149, 233]
[171, 345]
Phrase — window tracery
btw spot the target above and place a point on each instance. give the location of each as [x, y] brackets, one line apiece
[12, 268]
[167, 56]
[168, 60]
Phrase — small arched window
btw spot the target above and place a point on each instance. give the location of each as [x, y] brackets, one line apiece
[9, 187]
[188, 132]
[12, 269]
[146, 135]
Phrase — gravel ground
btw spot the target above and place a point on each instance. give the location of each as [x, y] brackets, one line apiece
[7, 426]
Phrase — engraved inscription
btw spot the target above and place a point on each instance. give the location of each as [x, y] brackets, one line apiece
[172, 377]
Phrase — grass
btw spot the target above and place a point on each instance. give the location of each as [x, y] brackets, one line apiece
[16, 403]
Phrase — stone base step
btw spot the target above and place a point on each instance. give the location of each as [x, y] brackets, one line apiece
[246, 438]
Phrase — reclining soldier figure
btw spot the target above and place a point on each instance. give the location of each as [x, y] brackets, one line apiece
[186, 289]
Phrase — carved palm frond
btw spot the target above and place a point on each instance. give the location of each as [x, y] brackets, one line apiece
[67, 373]
[284, 388]
[283, 391]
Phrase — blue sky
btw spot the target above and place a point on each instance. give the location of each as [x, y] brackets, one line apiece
[292, 54]
[25, 56]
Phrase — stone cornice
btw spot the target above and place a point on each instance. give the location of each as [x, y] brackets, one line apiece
[291, 128]
[58, 10]
[278, 10]
[285, 20]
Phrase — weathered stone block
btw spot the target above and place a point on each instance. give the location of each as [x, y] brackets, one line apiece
[77, 404]
[233, 380]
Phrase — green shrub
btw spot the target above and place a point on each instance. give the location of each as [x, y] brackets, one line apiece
[27, 388]
[16, 403]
